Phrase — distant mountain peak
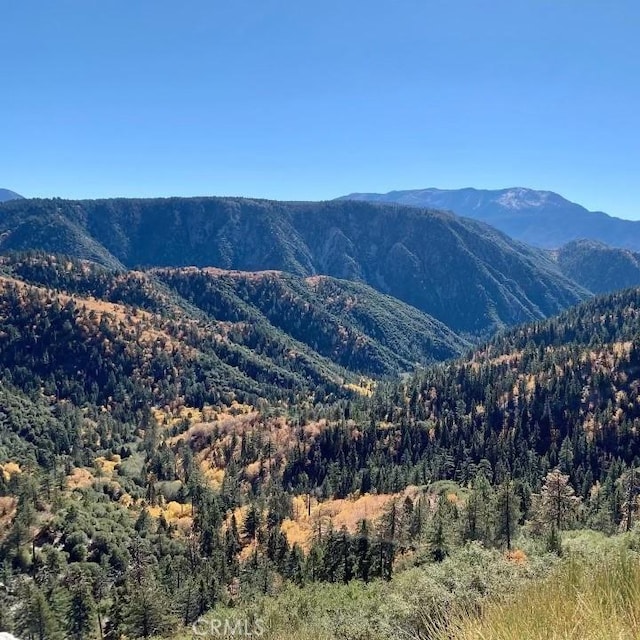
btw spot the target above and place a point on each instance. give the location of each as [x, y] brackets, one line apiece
[541, 218]
[519, 198]
[6, 194]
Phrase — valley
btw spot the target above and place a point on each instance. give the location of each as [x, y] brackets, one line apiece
[319, 321]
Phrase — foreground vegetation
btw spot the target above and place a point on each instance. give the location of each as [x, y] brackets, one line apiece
[591, 593]
[594, 595]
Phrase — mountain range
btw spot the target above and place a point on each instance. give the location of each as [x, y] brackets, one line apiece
[207, 402]
[540, 218]
[461, 272]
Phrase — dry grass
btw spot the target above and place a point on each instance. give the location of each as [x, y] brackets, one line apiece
[596, 599]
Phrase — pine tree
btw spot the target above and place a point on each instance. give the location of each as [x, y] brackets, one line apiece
[363, 552]
[565, 457]
[629, 484]
[294, 565]
[480, 511]
[416, 521]
[147, 612]
[143, 523]
[314, 562]
[437, 536]
[251, 524]
[232, 543]
[507, 512]
[6, 614]
[558, 502]
[388, 529]
[36, 619]
[114, 627]
[81, 619]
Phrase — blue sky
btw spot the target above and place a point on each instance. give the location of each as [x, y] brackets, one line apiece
[310, 100]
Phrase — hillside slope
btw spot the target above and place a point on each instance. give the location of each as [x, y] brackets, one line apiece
[540, 218]
[348, 322]
[161, 427]
[6, 195]
[322, 321]
[562, 393]
[466, 274]
[598, 267]
[113, 352]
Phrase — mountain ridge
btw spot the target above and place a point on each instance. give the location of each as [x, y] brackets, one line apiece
[599, 267]
[538, 217]
[7, 194]
[464, 273]
[278, 316]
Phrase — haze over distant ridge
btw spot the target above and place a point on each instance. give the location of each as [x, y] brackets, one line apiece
[5, 196]
[541, 218]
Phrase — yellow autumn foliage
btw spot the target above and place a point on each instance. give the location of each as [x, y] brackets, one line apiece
[338, 513]
[215, 477]
[9, 469]
[108, 466]
[172, 511]
[80, 478]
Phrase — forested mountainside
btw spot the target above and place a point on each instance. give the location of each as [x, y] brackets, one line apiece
[560, 393]
[348, 322]
[123, 342]
[244, 324]
[598, 267]
[176, 439]
[121, 357]
[467, 275]
[540, 218]
[162, 452]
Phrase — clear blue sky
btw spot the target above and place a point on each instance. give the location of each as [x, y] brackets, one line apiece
[293, 99]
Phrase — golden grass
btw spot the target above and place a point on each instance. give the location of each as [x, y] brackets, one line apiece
[594, 599]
